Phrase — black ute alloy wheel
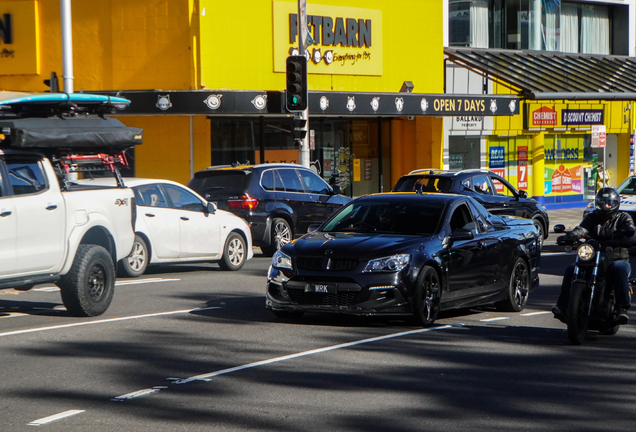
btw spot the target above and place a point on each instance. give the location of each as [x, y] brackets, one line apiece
[234, 253]
[135, 264]
[87, 289]
[427, 297]
[518, 288]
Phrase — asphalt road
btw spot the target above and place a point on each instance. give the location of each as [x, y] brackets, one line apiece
[192, 348]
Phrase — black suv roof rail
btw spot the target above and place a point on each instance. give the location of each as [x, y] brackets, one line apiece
[449, 172]
[472, 170]
[424, 170]
[263, 165]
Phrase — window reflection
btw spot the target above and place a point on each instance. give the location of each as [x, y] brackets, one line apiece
[546, 25]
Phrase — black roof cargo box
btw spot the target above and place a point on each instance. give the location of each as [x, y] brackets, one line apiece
[76, 133]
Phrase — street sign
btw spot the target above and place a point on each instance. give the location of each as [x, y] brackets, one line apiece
[599, 137]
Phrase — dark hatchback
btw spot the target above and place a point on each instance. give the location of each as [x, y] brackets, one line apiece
[278, 201]
[489, 189]
[407, 254]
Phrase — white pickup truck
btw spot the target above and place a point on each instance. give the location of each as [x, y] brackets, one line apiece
[52, 232]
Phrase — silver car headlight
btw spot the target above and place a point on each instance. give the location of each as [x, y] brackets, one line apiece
[585, 252]
[281, 260]
[393, 263]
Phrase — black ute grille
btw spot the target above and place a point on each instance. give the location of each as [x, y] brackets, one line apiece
[318, 263]
[343, 264]
[341, 299]
[309, 263]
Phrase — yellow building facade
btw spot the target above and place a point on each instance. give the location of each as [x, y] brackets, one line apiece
[551, 149]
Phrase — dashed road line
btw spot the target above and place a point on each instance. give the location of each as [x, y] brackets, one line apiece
[534, 313]
[142, 281]
[138, 393]
[494, 319]
[103, 321]
[54, 417]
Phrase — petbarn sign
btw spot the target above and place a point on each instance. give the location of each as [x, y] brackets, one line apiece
[348, 40]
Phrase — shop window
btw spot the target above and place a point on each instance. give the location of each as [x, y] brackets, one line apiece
[545, 25]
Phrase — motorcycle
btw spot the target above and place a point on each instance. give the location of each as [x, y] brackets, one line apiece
[592, 304]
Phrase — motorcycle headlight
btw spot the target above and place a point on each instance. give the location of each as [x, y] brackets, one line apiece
[281, 260]
[393, 263]
[585, 252]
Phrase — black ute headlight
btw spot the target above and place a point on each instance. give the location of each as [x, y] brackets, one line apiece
[394, 263]
[280, 260]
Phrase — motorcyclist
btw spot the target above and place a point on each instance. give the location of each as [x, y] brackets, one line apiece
[605, 224]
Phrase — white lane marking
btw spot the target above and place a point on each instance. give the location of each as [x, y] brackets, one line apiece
[136, 394]
[12, 314]
[535, 313]
[52, 418]
[207, 376]
[47, 289]
[494, 319]
[142, 281]
[52, 288]
[85, 323]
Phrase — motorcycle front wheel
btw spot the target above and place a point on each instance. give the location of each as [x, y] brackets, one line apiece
[578, 308]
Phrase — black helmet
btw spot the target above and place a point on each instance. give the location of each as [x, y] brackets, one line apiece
[607, 201]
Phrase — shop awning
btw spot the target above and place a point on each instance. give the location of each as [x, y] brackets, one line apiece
[541, 75]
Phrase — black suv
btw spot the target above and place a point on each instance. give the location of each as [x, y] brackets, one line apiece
[491, 190]
[278, 201]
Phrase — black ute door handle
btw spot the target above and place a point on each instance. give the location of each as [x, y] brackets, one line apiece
[5, 213]
[51, 206]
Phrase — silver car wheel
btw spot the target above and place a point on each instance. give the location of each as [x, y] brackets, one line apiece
[236, 251]
[137, 258]
[282, 233]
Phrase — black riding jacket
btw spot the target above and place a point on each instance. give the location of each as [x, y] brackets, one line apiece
[594, 226]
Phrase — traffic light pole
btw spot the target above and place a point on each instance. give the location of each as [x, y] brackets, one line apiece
[303, 150]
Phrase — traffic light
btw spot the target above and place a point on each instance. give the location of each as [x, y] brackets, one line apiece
[296, 91]
[299, 129]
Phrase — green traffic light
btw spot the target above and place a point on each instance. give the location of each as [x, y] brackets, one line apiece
[295, 99]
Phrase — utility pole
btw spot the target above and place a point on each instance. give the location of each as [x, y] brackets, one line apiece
[67, 45]
[303, 151]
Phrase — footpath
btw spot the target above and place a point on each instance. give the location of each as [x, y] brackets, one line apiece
[570, 217]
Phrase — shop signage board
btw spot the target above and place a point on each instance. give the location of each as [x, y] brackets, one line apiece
[543, 116]
[348, 40]
[223, 102]
[561, 180]
[522, 167]
[497, 157]
[570, 117]
[497, 164]
[472, 123]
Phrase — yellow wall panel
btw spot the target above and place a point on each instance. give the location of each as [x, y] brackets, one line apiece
[165, 152]
[238, 54]
[117, 44]
[416, 144]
